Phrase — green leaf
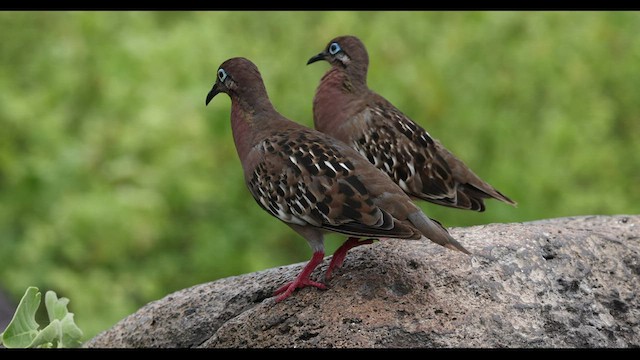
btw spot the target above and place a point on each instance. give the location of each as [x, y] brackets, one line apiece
[23, 328]
[61, 332]
[71, 333]
[48, 336]
[68, 333]
[56, 308]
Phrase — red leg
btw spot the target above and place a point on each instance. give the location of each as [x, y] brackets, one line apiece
[341, 252]
[303, 278]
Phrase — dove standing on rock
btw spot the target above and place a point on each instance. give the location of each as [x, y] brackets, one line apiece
[312, 182]
[345, 108]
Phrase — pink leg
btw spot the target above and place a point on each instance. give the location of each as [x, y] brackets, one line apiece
[303, 278]
[341, 252]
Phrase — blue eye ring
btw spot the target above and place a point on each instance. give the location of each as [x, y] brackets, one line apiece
[222, 75]
[334, 48]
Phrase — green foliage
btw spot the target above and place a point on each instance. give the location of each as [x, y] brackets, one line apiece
[22, 331]
[118, 186]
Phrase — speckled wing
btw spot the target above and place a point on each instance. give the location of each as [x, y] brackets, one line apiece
[301, 179]
[404, 151]
[420, 165]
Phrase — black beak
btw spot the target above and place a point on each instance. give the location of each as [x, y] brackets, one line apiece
[214, 91]
[321, 56]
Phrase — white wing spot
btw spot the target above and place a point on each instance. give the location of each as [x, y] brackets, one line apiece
[330, 166]
[403, 185]
[412, 169]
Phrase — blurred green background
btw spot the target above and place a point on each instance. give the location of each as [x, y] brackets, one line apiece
[118, 186]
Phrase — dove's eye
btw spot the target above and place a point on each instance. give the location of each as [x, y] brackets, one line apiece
[334, 48]
[222, 75]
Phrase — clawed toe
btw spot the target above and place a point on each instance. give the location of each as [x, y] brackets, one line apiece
[290, 287]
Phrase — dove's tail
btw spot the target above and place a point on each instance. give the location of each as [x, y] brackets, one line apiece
[435, 232]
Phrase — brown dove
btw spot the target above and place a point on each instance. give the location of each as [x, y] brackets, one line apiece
[345, 108]
[312, 182]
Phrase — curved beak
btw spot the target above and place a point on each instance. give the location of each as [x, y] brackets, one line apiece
[214, 91]
[321, 56]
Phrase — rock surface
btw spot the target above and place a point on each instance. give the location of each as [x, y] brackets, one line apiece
[566, 282]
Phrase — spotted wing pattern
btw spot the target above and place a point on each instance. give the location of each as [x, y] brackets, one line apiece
[408, 154]
[302, 179]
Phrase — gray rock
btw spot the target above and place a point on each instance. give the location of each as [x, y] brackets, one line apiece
[567, 282]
